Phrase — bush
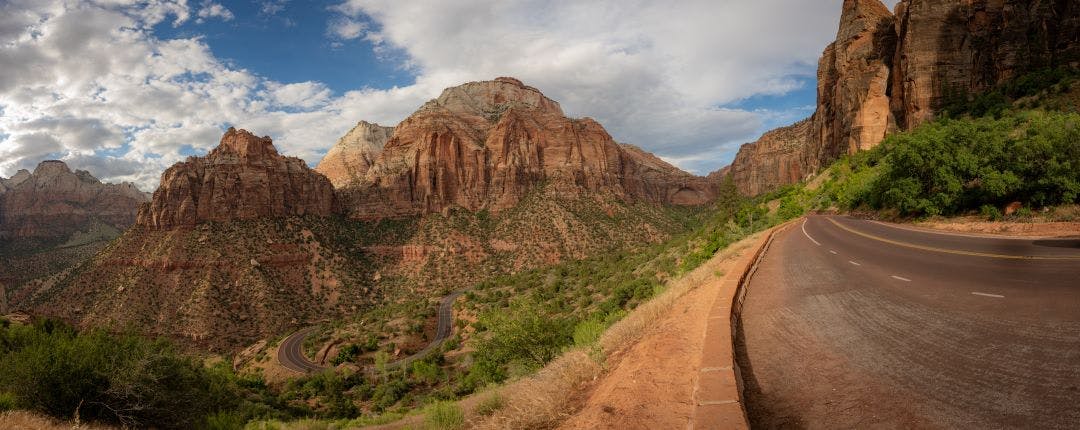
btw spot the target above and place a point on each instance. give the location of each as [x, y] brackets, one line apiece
[952, 166]
[587, 332]
[124, 379]
[525, 334]
[7, 402]
[990, 212]
[444, 416]
[490, 404]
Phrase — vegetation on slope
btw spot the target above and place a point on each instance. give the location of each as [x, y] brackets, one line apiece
[123, 379]
[1018, 143]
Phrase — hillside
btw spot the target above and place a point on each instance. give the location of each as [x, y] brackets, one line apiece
[244, 243]
[54, 217]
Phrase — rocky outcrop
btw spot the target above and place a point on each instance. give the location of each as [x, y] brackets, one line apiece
[54, 202]
[779, 157]
[970, 46]
[887, 72]
[243, 178]
[349, 160]
[853, 78]
[484, 145]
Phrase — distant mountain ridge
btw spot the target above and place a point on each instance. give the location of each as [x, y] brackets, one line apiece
[484, 145]
[887, 72]
[53, 202]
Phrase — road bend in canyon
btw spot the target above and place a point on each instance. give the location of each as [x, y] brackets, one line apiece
[858, 324]
[291, 353]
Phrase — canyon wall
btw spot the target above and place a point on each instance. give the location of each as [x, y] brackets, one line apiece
[892, 71]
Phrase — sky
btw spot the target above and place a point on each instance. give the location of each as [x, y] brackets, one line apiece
[126, 88]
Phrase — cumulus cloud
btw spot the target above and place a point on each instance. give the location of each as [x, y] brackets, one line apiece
[90, 83]
[211, 9]
[656, 74]
[346, 28]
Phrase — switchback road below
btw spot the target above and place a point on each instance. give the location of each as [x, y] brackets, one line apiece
[291, 353]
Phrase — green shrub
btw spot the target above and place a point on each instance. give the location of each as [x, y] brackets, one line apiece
[952, 166]
[990, 212]
[587, 332]
[124, 379]
[490, 404]
[444, 416]
[524, 333]
[7, 402]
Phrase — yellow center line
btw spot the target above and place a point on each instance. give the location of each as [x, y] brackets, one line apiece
[954, 251]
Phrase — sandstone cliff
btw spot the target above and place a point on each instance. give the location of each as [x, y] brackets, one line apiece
[349, 160]
[52, 203]
[243, 178]
[484, 145]
[887, 72]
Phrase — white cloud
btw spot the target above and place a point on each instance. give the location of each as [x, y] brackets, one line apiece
[345, 28]
[653, 72]
[90, 83]
[211, 9]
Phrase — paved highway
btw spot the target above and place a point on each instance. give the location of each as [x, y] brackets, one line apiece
[292, 357]
[857, 324]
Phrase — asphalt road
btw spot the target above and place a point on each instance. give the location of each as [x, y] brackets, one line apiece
[292, 357]
[857, 324]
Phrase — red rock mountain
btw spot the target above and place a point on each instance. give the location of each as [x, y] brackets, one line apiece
[53, 202]
[243, 178]
[890, 71]
[484, 145]
[349, 160]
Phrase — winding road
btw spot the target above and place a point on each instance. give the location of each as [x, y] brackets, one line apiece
[859, 324]
[291, 352]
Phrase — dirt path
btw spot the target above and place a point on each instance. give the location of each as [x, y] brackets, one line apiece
[651, 384]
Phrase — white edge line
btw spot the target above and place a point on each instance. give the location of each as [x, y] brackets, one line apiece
[996, 296]
[901, 278]
[808, 234]
[852, 262]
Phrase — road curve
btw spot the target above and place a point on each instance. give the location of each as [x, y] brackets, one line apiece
[857, 324]
[291, 355]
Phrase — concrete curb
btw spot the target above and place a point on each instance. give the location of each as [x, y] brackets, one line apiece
[718, 402]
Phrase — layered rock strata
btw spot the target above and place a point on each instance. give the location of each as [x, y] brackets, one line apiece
[243, 178]
[484, 145]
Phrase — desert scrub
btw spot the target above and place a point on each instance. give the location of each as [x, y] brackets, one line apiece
[444, 416]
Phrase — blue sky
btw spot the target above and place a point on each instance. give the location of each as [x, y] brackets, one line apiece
[125, 88]
[290, 43]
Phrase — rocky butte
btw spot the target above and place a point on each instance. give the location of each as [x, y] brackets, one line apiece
[890, 71]
[484, 145]
[53, 202]
[243, 178]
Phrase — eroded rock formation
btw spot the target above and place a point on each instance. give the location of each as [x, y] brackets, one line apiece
[349, 160]
[54, 202]
[243, 178]
[484, 145]
[887, 72]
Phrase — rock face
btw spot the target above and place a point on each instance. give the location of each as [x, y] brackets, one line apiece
[53, 202]
[778, 158]
[969, 46]
[887, 72]
[484, 145]
[349, 160]
[243, 178]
